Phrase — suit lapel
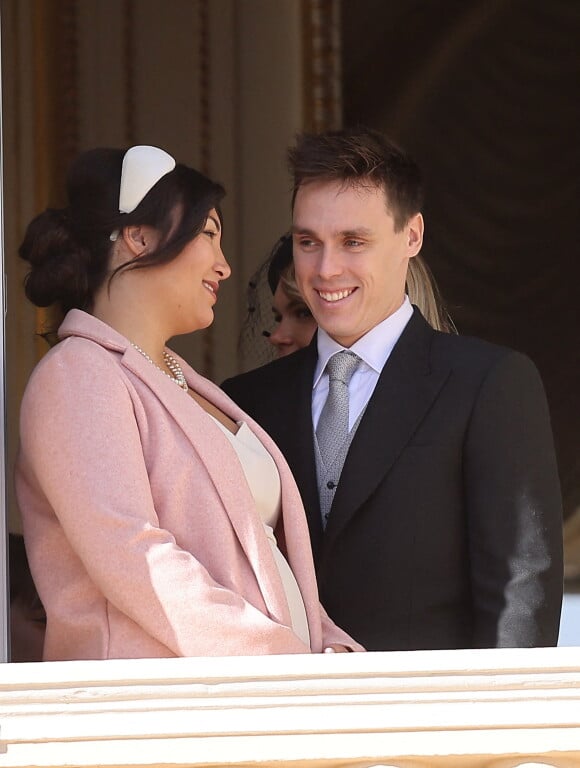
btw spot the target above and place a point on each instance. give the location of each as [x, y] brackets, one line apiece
[297, 441]
[406, 389]
[232, 487]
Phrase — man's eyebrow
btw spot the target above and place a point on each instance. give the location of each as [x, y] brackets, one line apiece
[355, 231]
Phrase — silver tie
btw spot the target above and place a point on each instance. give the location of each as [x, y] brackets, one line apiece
[332, 429]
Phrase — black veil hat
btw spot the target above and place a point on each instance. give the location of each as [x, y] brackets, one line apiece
[280, 258]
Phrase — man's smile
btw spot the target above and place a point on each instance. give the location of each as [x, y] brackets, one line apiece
[332, 296]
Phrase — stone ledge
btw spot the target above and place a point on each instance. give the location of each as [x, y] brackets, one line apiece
[468, 708]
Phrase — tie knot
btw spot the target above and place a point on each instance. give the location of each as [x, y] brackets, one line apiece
[341, 366]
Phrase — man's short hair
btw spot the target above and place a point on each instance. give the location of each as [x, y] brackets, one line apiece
[359, 157]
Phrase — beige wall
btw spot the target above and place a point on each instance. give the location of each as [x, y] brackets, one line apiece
[19, 207]
[233, 112]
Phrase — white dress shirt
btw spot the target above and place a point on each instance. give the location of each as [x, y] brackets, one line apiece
[373, 349]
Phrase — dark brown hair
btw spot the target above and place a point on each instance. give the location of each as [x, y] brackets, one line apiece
[280, 260]
[359, 156]
[69, 249]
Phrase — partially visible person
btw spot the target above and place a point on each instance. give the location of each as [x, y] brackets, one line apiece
[27, 614]
[423, 293]
[160, 520]
[294, 325]
[425, 460]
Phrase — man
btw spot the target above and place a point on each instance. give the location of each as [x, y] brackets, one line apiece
[434, 504]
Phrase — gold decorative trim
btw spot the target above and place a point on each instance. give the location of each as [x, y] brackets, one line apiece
[321, 64]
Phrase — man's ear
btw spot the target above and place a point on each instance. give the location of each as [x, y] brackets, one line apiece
[415, 229]
[139, 239]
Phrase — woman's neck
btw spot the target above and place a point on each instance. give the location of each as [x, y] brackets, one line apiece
[134, 320]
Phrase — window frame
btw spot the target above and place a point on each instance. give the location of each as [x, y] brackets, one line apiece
[4, 616]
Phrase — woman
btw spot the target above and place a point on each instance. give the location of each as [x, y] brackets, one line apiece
[149, 499]
[294, 325]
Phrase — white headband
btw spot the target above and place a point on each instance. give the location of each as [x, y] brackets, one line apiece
[143, 166]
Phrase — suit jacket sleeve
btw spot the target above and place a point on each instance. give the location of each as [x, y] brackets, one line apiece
[81, 446]
[514, 510]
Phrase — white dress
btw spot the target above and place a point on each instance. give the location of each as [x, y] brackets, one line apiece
[264, 483]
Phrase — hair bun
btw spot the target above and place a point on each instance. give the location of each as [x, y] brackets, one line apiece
[58, 263]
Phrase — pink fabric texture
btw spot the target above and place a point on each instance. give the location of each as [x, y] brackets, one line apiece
[141, 531]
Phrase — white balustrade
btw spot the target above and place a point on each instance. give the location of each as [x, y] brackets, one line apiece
[440, 709]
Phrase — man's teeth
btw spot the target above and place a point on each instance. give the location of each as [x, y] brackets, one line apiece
[335, 295]
[207, 285]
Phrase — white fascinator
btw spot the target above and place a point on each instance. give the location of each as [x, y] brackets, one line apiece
[143, 166]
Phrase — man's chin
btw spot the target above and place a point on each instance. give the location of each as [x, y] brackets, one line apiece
[346, 337]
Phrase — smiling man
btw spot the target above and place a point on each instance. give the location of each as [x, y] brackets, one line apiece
[350, 256]
[425, 460]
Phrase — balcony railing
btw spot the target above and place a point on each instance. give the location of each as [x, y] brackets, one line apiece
[437, 709]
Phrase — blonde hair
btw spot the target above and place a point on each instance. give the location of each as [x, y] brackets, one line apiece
[288, 283]
[424, 294]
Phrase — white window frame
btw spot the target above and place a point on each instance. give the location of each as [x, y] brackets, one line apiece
[3, 539]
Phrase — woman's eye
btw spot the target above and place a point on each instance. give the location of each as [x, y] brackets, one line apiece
[303, 313]
[210, 233]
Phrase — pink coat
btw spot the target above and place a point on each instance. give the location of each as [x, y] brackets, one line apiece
[141, 531]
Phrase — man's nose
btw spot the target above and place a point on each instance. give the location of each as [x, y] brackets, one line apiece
[329, 263]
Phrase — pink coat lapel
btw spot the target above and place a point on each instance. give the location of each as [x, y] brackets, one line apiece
[295, 525]
[214, 454]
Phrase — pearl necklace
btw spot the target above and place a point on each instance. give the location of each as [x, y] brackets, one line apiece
[176, 374]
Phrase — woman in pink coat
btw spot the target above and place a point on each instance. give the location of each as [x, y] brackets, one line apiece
[159, 519]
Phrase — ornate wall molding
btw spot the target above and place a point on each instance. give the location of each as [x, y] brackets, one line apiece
[322, 64]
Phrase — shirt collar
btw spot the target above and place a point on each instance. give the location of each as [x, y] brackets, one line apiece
[373, 348]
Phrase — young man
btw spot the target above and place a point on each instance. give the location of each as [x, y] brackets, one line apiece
[428, 470]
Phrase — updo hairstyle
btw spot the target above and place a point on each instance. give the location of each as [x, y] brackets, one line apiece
[69, 249]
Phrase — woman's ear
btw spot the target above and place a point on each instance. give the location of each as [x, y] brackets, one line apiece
[139, 239]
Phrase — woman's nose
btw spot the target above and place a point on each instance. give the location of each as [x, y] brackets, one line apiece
[222, 267]
[279, 337]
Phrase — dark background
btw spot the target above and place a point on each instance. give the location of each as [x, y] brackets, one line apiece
[486, 95]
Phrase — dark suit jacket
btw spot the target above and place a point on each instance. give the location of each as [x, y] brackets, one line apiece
[446, 527]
